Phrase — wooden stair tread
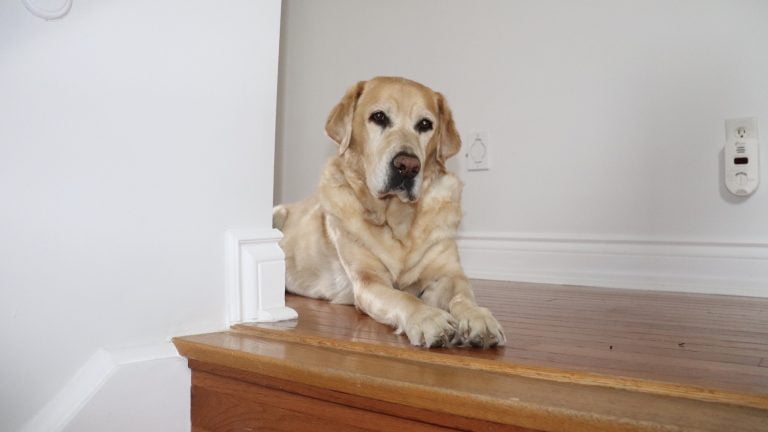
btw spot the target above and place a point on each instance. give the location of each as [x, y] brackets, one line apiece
[497, 397]
[557, 376]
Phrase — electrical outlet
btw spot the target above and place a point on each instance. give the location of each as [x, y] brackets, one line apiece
[741, 128]
[476, 152]
[741, 156]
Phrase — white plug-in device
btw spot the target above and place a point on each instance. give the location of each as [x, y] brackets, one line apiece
[742, 161]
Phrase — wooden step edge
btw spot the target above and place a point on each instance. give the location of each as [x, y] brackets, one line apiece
[496, 410]
[655, 387]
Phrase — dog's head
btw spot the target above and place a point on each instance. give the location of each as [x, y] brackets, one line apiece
[399, 130]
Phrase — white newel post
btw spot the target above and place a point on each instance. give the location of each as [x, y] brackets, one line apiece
[256, 277]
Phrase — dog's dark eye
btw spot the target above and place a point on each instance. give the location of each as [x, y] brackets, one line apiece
[424, 125]
[379, 118]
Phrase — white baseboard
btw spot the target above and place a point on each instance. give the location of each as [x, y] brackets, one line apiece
[256, 277]
[89, 379]
[713, 267]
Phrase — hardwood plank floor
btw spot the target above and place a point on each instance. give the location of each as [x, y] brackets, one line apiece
[670, 343]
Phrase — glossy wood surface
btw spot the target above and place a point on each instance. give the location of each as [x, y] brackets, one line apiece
[703, 346]
[578, 359]
[475, 394]
[223, 399]
[222, 404]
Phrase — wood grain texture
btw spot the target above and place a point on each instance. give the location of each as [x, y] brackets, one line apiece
[220, 412]
[494, 397]
[579, 359]
[434, 420]
[224, 404]
[700, 346]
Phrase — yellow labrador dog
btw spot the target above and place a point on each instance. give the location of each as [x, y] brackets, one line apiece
[380, 230]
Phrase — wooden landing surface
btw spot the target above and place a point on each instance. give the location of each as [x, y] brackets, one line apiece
[613, 359]
[675, 340]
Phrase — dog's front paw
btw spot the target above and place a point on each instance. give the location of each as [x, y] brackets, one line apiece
[430, 327]
[478, 327]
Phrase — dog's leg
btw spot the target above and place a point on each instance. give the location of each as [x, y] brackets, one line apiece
[476, 325]
[424, 325]
[375, 294]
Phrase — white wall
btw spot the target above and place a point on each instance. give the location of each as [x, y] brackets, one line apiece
[133, 134]
[606, 121]
[139, 394]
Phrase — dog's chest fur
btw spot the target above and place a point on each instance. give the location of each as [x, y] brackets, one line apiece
[400, 234]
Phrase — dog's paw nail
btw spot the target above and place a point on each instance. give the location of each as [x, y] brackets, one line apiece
[437, 343]
[431, 328]
[478, 328]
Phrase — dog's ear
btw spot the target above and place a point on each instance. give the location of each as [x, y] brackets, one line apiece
[448, 139]
[338, 127]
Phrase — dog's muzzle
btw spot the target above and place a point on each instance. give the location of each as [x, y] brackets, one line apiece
[403, 170]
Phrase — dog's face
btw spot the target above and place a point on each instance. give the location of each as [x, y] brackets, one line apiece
[399, 129]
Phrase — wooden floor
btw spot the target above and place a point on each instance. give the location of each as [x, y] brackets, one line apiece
[577, 359]
[672, 340]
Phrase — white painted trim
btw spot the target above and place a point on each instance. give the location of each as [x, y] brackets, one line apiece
[62, 408]
[686, 265]
[256, 277]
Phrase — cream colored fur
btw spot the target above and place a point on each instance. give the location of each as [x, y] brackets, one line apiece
[396, 259]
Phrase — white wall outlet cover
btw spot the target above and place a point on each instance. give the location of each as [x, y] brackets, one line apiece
[741, 165]
[48, 9]
[476, 152]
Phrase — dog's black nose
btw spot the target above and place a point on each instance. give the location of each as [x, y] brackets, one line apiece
[407, 165]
